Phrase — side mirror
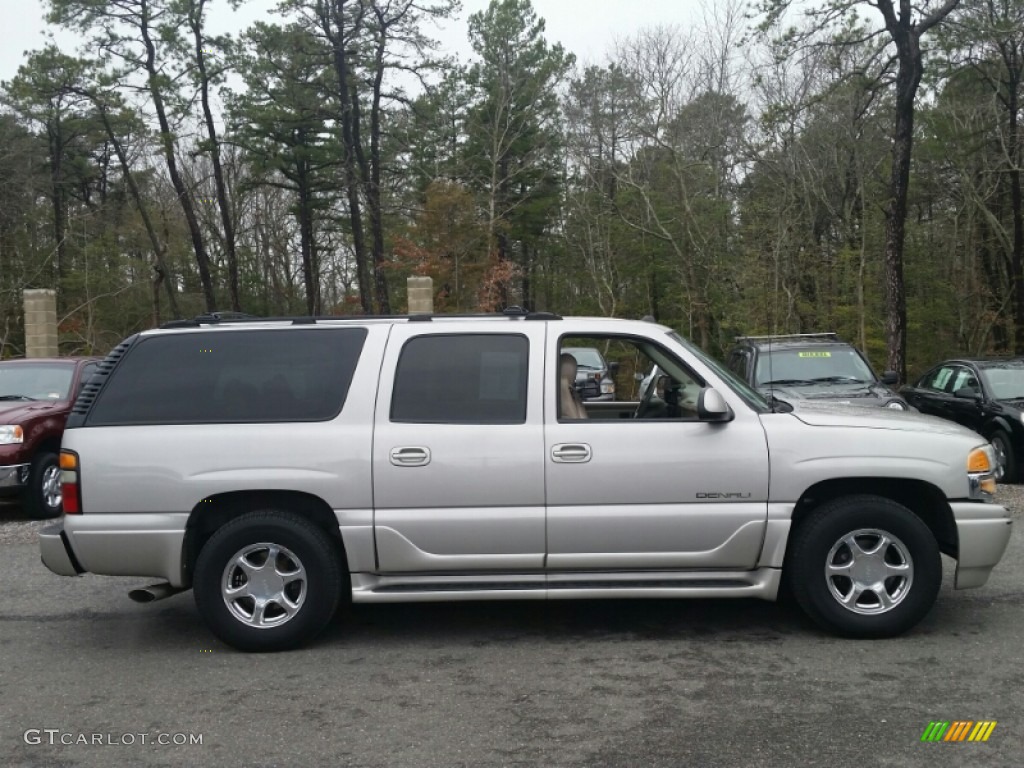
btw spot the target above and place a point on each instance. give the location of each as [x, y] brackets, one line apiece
[890, 378]
[613, 369]
[711, 406]
[967, 393]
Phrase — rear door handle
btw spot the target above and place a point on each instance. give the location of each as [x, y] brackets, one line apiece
[571, 453]
[410, 456]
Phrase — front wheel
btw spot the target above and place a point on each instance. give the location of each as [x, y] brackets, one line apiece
[1006, 460]
[42, 497]
[864, 566]
[268, 581]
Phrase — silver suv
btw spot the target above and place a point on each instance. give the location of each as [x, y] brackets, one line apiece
[278, 467]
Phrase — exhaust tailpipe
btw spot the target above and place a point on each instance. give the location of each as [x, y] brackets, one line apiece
[154, 592]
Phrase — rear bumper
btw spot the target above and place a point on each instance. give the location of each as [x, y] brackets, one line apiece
[983, 531]
[130, 544]
[13, 477]
[56, 551]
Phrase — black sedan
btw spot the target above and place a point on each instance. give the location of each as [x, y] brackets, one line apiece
[986, 395]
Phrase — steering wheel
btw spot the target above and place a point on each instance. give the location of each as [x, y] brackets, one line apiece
[645, 401]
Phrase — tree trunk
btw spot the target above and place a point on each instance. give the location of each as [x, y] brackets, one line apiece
[158, 250]
[196, 22]
[908, 77]
[309, 274]
[57, 198]
[373, 194]
[1017, 260]
[167, 141]
[336, 36]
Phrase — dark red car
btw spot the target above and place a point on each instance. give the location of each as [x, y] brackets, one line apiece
[36, 396]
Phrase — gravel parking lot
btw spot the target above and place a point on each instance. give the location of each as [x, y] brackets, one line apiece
[645, 683]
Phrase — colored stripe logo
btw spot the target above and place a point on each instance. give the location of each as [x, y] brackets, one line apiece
[958, 730]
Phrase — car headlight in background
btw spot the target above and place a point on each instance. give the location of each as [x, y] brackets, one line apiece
[11, 435]
[896, 405]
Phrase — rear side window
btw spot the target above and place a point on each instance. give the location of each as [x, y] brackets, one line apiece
[231, 376]
[462, 379]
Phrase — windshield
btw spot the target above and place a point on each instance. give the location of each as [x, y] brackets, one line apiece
[1004, 381]
[35, 382]
[587, 357]
[750, 396]
[801, 367]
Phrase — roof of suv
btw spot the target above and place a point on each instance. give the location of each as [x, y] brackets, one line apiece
[793, 341]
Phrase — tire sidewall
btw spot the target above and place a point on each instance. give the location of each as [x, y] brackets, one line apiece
[827, 526]
[33, 502]
[308, 543]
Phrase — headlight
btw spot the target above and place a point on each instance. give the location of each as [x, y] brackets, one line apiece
[896, 405]
[980, 473]
[10, 435]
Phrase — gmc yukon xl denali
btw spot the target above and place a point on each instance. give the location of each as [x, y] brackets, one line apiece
[279, 467]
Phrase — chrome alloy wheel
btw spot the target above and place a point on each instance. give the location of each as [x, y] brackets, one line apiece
[264, 585]
[51, 487]
[869, 571]
[999, 448]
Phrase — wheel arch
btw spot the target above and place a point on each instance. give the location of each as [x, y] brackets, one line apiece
[214, 511]
[922, 498]
[998, 424]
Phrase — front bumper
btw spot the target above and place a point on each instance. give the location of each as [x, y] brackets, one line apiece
[983, 531]
[13, 477]
[56, 551]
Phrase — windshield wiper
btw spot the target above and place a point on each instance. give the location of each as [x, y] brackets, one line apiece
[839, 380]
[16, 397]
[785, 382]
[588, 367]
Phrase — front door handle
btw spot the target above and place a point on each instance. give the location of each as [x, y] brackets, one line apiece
[571, 453]
[410, 456]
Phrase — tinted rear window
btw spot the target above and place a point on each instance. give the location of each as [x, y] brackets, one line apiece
[462, 379]
[232, 376]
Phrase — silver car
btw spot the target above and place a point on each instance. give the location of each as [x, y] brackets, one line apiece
[280, 467]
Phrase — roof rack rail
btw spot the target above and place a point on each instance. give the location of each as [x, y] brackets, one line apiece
[773, 336]
[223, 318]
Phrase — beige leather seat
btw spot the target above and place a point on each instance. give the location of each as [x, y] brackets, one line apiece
[570, 405]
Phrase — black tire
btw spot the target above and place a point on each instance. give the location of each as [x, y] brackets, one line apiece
[811, 548]
[300, 541]
[1001, 443]
[37, 497]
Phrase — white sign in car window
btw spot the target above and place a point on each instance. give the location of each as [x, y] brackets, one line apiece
[500, 376]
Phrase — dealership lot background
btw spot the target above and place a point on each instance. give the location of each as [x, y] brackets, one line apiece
[640, 683]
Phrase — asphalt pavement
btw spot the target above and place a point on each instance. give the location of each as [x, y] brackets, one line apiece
[89, 678]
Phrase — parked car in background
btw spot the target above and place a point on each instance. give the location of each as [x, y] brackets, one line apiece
[36, 396]
[595, 376]
[986, 395]
[812, 366]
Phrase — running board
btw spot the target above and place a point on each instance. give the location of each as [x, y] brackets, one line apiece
[371, 588]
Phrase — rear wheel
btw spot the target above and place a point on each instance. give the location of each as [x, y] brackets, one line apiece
[268, 581]
[42, 497]
[864, 566]
[1006, 460]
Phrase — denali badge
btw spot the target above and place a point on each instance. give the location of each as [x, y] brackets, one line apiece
[725, 495]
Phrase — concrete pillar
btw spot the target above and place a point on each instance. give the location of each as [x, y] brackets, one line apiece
[40, 322]
[421, 295]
